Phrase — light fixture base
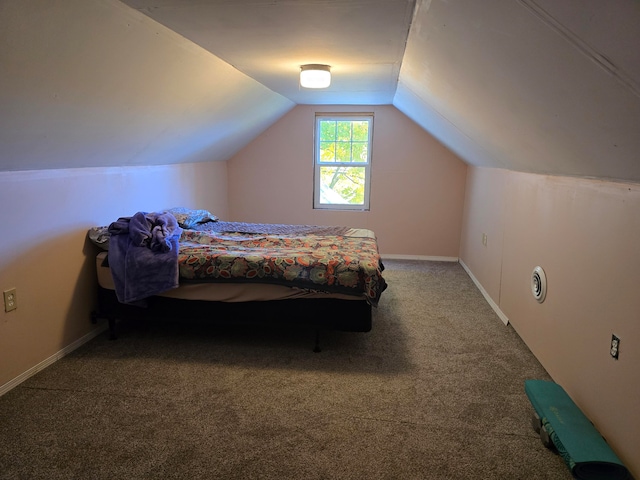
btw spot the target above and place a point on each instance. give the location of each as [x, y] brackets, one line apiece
[315, 75]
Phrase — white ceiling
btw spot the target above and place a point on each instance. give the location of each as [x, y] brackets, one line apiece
[532, 85]
[363, 41]
[529, 85]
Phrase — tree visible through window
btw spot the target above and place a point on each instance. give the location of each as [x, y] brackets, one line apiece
[343, 161]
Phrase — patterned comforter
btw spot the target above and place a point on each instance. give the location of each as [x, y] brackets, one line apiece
[301, 257]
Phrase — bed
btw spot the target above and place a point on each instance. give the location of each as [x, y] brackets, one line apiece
[232, 273]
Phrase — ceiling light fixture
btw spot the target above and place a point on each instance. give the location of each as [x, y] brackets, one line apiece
[315, 76]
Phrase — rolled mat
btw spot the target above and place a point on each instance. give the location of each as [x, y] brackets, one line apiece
[581, 446]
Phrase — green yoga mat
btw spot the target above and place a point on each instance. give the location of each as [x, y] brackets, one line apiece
[583, 449]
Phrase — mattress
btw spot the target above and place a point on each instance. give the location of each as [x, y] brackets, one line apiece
[230, 292]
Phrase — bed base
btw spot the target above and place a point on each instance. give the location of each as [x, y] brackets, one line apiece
[314, 313]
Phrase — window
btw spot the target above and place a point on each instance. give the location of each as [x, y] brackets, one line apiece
[342, 161]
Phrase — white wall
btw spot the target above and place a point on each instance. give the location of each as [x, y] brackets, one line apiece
[46, 256]
[585, 234]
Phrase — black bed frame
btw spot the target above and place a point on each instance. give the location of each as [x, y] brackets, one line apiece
[314, 313]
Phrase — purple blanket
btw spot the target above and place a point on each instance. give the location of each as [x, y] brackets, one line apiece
[143, 255]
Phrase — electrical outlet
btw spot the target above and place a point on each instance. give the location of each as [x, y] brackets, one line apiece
[10, 300]
[484, 239]
[615, 347]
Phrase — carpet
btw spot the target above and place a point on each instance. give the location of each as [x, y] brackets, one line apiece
[434, 391]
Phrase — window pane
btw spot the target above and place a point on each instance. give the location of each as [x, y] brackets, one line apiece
[327, 152]
[360, 131]
[359, 152]
[327, 130]
[342, 185]
[343, 152]
[344, 131]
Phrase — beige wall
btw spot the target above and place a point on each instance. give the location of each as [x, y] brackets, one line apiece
[45, 253]
[585, 234]
[417, 185]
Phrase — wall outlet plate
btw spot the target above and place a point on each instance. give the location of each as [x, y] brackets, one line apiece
[10, 300]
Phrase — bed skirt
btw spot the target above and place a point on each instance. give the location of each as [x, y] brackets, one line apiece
[310, 313]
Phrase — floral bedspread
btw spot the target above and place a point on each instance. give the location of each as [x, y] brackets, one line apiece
[331, 263]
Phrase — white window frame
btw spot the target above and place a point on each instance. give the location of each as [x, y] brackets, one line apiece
[368, 117]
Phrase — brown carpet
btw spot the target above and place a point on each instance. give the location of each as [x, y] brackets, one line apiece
[434, 391]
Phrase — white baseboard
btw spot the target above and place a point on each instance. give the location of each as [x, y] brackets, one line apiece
[419, 257]
[52, 359]
[489, 300]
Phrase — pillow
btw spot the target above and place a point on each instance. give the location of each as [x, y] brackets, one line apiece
[188, 218]
[100, 236]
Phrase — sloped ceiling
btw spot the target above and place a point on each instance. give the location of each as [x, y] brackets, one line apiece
[531, 85]
[94, 83]
[537, 86]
